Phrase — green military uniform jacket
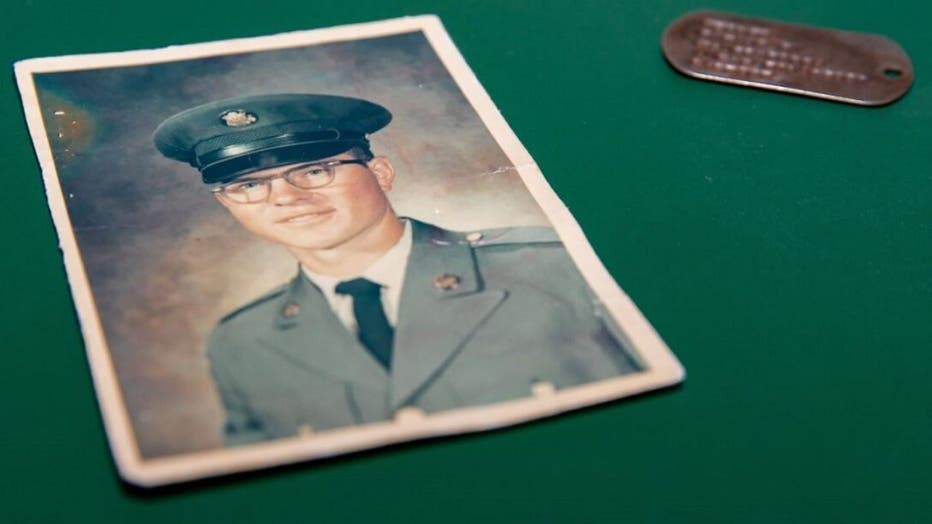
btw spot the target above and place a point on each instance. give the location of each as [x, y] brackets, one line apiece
[482, 317]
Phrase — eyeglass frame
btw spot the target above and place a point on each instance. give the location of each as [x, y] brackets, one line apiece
[329, 165]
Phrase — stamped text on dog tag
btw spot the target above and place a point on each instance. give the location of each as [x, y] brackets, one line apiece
[857, 68]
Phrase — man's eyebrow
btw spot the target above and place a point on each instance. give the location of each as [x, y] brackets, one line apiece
[256, 176]
[249, 177]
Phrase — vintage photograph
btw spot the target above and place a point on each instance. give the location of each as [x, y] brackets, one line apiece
[293, 247]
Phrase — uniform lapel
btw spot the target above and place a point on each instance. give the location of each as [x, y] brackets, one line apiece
[308, 334]
[441, 305]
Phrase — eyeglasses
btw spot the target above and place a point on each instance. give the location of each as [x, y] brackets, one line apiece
[305, 176]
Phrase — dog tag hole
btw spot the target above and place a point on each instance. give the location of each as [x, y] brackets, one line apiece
[892, 73]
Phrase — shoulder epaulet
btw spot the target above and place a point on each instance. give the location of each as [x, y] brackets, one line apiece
[253, 303]
[510, 235]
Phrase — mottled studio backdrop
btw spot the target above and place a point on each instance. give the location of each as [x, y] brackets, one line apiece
[165, 261]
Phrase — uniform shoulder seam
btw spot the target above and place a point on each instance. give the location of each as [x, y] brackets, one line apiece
[512, 235]
[253, 303]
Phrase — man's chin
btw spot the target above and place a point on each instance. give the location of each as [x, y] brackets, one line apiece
[310, 236]
[315, 244]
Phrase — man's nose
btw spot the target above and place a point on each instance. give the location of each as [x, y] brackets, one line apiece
[283, 193]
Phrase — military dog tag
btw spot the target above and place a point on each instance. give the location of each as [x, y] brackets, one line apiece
[857, 68]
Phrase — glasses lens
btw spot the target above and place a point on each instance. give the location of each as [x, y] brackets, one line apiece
[310, 176]
[247, 191]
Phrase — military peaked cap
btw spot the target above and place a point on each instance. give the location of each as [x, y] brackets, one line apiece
[230, 138]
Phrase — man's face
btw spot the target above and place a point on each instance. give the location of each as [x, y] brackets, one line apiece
[348, 209]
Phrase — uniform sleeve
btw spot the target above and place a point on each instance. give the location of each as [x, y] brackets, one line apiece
[614, 338]
[591, 343]
[240, 427]
[597, 322]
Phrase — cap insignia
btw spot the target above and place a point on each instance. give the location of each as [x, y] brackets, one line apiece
[238, 118]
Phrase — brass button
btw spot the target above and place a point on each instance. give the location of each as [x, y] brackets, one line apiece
[473, 237]
[291, 310]
[409, 414]
[540, 388]
[446, 282]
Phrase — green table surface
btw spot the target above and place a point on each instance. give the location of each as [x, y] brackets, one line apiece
[781, 246]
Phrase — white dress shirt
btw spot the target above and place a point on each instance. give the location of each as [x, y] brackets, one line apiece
[388, 271]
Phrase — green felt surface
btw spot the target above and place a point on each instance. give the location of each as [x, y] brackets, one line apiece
[782, 246]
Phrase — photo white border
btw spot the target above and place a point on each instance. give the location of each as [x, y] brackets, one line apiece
[662, 368]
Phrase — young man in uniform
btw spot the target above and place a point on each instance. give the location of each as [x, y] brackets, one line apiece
[384, 312]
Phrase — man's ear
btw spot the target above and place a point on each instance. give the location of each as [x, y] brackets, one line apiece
[384, 172]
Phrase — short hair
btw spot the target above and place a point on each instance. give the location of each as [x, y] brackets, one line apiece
[361, 152]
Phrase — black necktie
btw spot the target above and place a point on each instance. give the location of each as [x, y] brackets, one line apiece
[374, 330]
